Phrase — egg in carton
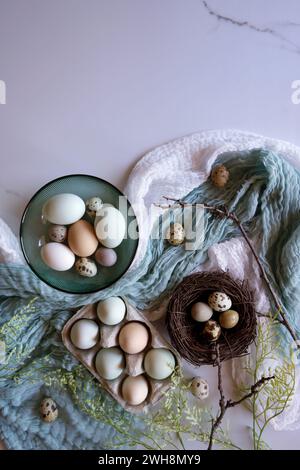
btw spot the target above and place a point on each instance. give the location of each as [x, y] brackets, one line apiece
[134, 363]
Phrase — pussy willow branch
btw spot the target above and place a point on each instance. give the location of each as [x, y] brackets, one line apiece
[222, 211]
[224, 404]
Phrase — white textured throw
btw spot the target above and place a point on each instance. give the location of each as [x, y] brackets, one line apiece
[174, 170]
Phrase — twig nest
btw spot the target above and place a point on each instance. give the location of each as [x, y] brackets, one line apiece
[220, 176]
[211, 331]
[201, 312]
[175, 234]
[199, 388]
[48, 410]
[229, 319]
[219, 301]
[185, 332]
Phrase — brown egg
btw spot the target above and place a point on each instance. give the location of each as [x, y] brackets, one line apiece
[135, 389]
[219, 176]
[133, 337]
[229, 319]
[211, 330]
[82, 239]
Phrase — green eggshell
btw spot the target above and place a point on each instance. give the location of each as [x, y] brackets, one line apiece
[110, 363]
[159, 363]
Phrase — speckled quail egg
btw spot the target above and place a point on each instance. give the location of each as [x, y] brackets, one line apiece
[175, 234]
[211, 330]
[229, 319]
[57, 233]
[86, 267]
[93, 205]
[219, 301]
[199, 388]
[48, 410]
[111, 311]
[220, 176]
[135, 389]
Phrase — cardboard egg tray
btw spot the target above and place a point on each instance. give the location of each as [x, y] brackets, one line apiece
[133, 362]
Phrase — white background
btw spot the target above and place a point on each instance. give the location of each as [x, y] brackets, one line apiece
[92, 85]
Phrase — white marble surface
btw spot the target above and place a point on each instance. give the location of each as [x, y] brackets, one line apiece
[93, 85]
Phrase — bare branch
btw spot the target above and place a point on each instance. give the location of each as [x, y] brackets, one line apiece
[223, 404]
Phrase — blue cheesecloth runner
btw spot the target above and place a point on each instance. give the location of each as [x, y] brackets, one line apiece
[264, 192]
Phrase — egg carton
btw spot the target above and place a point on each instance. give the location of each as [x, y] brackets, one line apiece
[133, 362]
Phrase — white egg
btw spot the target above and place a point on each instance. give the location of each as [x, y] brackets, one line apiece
[57, 256]
[219, 301]
[159, 363]
[84, 333]
[63, 209]
[110, 227]
[110, 363]
[201, 311]
[175, 234]
[111, 311]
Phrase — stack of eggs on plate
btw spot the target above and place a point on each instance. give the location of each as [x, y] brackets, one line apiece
[218, 305]
[130, 341]
[70, 236]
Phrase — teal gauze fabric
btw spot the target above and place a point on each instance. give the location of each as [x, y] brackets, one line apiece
[264, 192]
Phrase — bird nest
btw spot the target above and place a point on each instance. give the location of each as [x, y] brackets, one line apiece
[186, 334]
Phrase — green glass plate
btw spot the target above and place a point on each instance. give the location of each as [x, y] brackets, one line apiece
[33, 233]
